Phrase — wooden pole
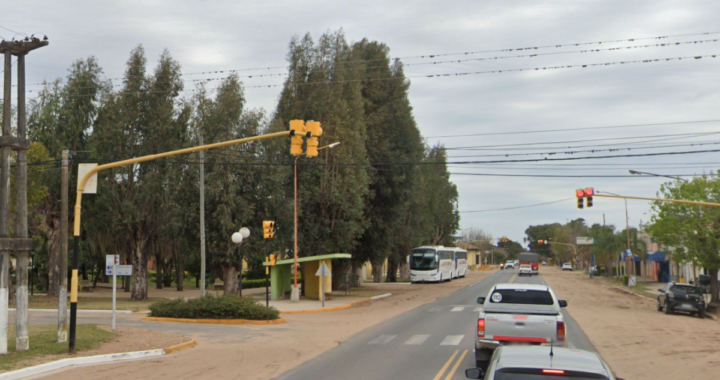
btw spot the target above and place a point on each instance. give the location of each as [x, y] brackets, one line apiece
[5, 208]
[202, 220]
[21, 225]
[62, 332]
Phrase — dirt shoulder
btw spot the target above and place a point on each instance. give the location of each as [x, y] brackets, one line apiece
[264, 352]
[126, 339]
[636, 340]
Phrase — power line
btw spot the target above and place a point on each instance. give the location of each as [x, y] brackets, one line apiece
[517, 207]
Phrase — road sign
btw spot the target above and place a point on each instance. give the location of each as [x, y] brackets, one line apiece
[584, 240]
[122, 270]
[109, 260]
[323, 271]
[91, 183]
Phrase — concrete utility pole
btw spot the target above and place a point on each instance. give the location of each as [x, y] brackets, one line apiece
[20, 244]
[62, 333]
[202, 220]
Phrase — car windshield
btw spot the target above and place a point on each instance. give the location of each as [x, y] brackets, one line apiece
[686, 289]
[521, 296]
[423, 259]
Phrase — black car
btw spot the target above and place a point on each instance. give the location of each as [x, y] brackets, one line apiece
[681, 297]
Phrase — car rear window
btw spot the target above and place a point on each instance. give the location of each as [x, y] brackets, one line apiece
[538, 374]
[686, 289]
[521, 297]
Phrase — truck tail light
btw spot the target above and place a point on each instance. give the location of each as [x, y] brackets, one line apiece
[481, 328]
[554, 371]
[561, 331]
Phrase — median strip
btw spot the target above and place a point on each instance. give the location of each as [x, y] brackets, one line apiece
[336, 308]
[216, 321]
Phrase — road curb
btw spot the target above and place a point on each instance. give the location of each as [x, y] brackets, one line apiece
[182, 346]
[336, 308]
[215, 321]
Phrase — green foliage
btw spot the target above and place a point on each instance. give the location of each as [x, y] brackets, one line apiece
[224, 307]
[252, 284]
[625, 279]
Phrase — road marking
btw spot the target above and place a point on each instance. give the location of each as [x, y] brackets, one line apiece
[382, 339]
[416, 340]
[455, 367]
[452, 340]
[445, 367]
[478, 309]
[512, 279]
[435, 309]
[458, 308]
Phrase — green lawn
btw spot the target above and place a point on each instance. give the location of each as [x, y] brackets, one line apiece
[92, 303]
[43, 341]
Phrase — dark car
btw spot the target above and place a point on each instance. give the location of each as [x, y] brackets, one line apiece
[681, 297]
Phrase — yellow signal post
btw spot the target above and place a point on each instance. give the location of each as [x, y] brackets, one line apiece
[312, 143]
[297, 130]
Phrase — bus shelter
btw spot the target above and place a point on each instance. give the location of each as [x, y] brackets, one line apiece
[281, 275]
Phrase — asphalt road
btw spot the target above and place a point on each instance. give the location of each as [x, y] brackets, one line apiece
[434, 341]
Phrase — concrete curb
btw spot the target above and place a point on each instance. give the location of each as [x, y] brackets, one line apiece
[81, 311]
[336, 308]
[216, 321]
[97, 359]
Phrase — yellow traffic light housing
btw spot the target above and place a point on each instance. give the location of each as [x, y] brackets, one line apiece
[268, 229]
[580, 194]
[312, 143]
[298, 128]
[589, 196]
[273, 260]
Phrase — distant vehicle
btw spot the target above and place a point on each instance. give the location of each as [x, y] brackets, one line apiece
[502, 266]
[681, 297]
[516, 263]
[532, 259]
[525, 270]
[509, 264]
[527, 362]
[432, 264]
[517, 314]
[544, 263]
[461, 263]
[567, 266]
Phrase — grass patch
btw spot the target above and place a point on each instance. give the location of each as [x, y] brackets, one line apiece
[92, 303]
[43, 341]
[224, 307]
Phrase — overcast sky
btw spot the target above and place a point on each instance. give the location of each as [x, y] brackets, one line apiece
[226, 35]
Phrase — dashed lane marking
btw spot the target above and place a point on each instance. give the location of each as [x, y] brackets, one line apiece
[452, 340]
[416, 340]
[382, 339]
[458, 308]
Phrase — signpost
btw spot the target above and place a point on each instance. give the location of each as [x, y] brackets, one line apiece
[322, 272]
[112, 267]
[583, 240]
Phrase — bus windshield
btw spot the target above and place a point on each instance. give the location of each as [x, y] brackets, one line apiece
[423, 259]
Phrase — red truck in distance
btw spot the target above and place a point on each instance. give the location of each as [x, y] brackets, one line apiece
[532, 259]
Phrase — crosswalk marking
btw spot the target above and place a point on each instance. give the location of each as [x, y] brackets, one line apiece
[417, 340]
[435, 309]
[452, 340]
[382, 339]
[458, 308]
[478, 309]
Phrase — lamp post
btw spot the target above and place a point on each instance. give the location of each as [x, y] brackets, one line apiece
[635, 172]
[627, 228]
[238, 238]
[295, 295]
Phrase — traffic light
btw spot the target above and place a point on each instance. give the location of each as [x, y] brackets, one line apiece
[540, 241]
[273, 260]
[589, 194]
[268, 229]
[504, 239]
[580, 194]
[298, 128]
[312, 143]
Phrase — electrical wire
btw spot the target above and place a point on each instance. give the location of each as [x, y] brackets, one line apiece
[517, 207]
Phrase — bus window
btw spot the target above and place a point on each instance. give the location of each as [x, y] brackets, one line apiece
[423, 260]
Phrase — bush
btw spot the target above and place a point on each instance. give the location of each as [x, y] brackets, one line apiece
[224, 307]
[251, 284]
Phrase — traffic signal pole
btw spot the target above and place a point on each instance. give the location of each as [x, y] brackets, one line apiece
[132, 161]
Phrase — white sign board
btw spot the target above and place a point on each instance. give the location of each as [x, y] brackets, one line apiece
[583, 240]
[91, 183]
[109, 260]
[323, 271]
[122, 270]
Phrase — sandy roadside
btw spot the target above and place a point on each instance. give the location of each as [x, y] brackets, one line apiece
[636, 340]
[264, 352]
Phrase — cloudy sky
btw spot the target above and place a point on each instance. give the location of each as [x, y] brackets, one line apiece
[466, 113]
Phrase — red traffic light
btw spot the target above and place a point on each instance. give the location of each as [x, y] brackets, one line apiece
[540, 241]
[589, 192]
[579, 193]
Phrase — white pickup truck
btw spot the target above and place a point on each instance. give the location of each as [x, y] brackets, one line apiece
[518, 314]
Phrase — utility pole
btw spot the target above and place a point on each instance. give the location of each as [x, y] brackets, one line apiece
[62, 333]
[202, 220]
[20, 244]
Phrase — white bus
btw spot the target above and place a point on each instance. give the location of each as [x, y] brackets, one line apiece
[435, 264]
[461, 263]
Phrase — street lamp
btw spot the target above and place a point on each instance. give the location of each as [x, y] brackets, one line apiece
[295, 295]
[627, 228]
[238, 238]
[635, 172]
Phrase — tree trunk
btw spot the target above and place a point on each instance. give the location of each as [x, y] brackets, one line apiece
[179, 271]
[377, 270]
[404, 270]
[52, 233]
[392, 270]
[158, 272]
[230, 279]
[167, 276]
[139, 286]
[714, 291]
[83, 270]
[357, 268]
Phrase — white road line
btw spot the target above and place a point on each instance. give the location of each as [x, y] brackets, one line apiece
[478, 309]
[452, 340]
[416, 340]
[458, 308]
[435, 309]
[382, 339]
